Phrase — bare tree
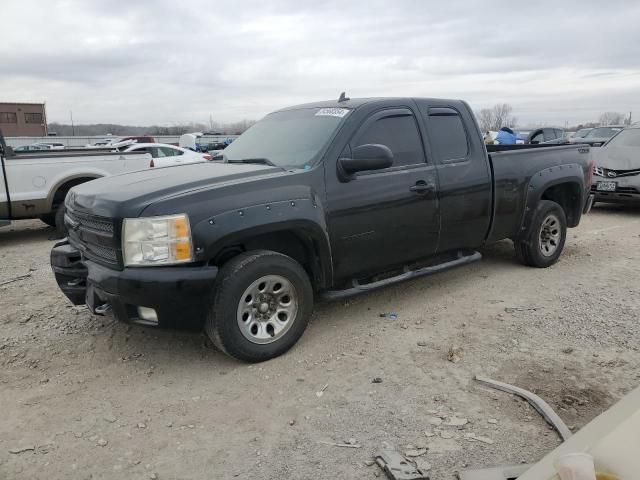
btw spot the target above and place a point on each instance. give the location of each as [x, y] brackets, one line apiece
[502, 116]
[496, 117]
[235, 128]
[485, 119]
[611, 118]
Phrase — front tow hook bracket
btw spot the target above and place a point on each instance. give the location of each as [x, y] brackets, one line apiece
[103, 309]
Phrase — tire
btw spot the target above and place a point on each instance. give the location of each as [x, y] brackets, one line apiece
[61, 230]
[543, 243]
[238, 322]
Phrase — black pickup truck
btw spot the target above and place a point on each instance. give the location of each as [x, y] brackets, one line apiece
[323, 200]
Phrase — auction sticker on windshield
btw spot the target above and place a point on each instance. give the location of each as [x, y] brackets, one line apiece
[332, 112]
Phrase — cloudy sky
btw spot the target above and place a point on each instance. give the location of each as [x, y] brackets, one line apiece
[167, 61]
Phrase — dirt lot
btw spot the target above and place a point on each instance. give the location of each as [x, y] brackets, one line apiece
[91, 398]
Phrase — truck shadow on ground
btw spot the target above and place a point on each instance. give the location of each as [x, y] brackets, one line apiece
[166, 346]
[19, 235]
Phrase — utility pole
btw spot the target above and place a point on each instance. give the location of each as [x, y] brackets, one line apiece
[73, 128]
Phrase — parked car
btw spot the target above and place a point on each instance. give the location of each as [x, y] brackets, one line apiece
[599, 135]
[617, 170]
[119, 142]
[164, 155]
[34, 185]
[543, 135]
[31, 148]
[52, 146]
[212, 146]
[580, 133]
[324, 200]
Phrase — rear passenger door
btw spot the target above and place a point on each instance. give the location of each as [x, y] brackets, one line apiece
[384, 218]
[465, 190]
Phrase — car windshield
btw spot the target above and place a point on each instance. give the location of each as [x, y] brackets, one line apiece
[582, 133]
[603, 132]
[627, 138]
[289, 139]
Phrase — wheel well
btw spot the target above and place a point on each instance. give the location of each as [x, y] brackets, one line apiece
[63, 189]
[568, 196]
[296, 245]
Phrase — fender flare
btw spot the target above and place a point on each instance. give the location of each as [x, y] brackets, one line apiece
[302, 217]
[544, 179]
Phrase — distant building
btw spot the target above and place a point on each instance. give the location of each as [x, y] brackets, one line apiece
[23, 119]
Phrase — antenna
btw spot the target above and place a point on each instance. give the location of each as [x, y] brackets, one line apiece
[343, 98]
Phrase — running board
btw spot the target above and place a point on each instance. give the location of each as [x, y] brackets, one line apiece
[358, 288]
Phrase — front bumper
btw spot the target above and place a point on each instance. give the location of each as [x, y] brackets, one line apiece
[179, 296]
[614, 197]
[627, 190]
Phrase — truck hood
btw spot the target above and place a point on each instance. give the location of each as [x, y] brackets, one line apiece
[128, 194]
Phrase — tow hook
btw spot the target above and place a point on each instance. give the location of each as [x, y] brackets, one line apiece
[103, 309]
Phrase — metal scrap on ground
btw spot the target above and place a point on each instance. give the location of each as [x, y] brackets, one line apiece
[398, 467]
[536, 402]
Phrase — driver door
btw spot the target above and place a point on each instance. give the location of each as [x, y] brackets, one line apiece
[387, 217]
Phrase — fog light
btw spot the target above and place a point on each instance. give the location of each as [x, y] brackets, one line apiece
[147, 315]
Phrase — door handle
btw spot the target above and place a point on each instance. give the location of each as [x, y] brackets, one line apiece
[423, 187]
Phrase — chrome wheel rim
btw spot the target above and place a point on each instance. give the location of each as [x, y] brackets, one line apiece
[267, 309]
[549, 239]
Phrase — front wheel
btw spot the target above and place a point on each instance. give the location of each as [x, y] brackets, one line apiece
[61, 228]
[55, 219]
[543, 243]
[261, 305]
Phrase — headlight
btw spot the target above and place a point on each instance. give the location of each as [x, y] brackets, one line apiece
[157, 240]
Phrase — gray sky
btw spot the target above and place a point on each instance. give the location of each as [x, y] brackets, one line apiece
[168, 61]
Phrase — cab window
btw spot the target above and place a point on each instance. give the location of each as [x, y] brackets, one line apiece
[397, 132]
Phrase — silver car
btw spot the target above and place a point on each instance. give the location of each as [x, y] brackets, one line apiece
[599, 135]
[617, 168]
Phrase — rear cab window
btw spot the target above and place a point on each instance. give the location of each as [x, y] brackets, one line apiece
[448, 135]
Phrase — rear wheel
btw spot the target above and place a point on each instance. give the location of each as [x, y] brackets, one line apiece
[545, 239]
[261, 305]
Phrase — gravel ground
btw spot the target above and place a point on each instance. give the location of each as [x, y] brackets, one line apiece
[86, 397]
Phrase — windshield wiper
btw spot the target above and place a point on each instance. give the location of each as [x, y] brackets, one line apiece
[262, 161]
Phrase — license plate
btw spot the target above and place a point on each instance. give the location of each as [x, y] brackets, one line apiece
[606, 186]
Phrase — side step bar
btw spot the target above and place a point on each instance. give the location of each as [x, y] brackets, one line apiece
[358, 288]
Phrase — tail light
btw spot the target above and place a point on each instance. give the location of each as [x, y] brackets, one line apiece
[152, 164]
[207, 157]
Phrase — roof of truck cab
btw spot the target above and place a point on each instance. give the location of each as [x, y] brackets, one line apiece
[358, 102]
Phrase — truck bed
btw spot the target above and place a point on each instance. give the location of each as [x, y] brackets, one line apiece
[29, 181]
[514, 167]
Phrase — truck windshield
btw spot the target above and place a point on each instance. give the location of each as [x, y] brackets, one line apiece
[289, 139]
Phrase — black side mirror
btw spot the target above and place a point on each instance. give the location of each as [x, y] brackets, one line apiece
[366, 157]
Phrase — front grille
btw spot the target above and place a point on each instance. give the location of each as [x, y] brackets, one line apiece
[93, 236]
